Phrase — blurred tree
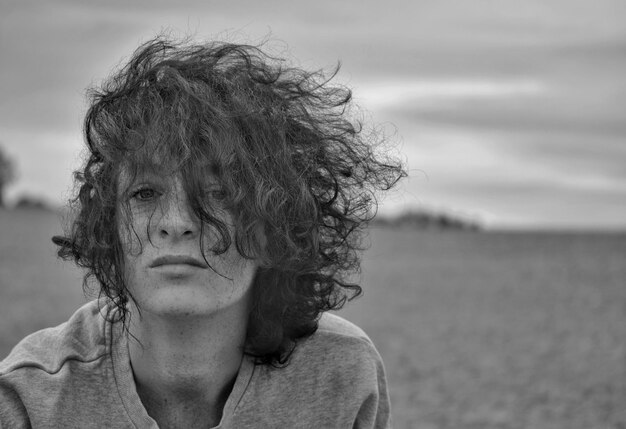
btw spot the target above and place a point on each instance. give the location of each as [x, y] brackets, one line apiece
[7, 173]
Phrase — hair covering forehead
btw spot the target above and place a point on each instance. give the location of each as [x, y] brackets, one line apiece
[165, 161]
[171, 143]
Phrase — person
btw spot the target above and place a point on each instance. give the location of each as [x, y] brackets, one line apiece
[220, 211]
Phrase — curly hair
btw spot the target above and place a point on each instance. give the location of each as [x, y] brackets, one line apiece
[282, 143]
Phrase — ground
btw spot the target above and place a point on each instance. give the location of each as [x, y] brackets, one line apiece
[477, 330]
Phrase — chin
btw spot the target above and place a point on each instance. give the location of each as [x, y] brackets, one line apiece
[184, 300]
[180, 305]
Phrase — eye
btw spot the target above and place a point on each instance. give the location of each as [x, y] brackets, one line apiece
[215, 194]
[144, 194]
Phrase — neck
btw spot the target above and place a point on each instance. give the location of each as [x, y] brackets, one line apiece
[186, 362]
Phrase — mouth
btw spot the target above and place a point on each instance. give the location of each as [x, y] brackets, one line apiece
[178, 260]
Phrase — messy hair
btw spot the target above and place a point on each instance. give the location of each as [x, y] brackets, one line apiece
[282, 142]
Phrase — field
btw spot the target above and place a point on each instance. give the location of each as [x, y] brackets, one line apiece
[477, 330]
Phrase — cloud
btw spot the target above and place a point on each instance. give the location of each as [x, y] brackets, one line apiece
[511, 109]
[397, 94]
[514, 180]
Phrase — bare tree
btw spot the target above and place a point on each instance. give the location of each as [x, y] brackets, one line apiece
[7, 173]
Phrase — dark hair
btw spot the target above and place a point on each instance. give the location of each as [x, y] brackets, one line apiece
[281, 142]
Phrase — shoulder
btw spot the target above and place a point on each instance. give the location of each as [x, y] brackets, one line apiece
[59, 373]
[339, 353]
[338, 349]
[81, 338]
[332, 325]
[335, 378]
[340, 346]
[337, 338]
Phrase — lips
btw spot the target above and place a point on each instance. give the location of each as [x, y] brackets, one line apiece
[178, 260]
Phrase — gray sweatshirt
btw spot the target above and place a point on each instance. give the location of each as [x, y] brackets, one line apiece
[78, 375]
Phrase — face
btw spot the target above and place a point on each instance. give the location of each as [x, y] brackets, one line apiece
[164, 266]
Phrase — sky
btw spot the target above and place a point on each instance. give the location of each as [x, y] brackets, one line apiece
[509, 112]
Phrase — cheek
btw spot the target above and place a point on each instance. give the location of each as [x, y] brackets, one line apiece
[132, 229]
[131, 240]
[238, 267]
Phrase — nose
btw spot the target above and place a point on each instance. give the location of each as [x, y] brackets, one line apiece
[177, 221]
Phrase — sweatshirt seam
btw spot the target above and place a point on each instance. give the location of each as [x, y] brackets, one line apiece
[42, 368]
[245, 388]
